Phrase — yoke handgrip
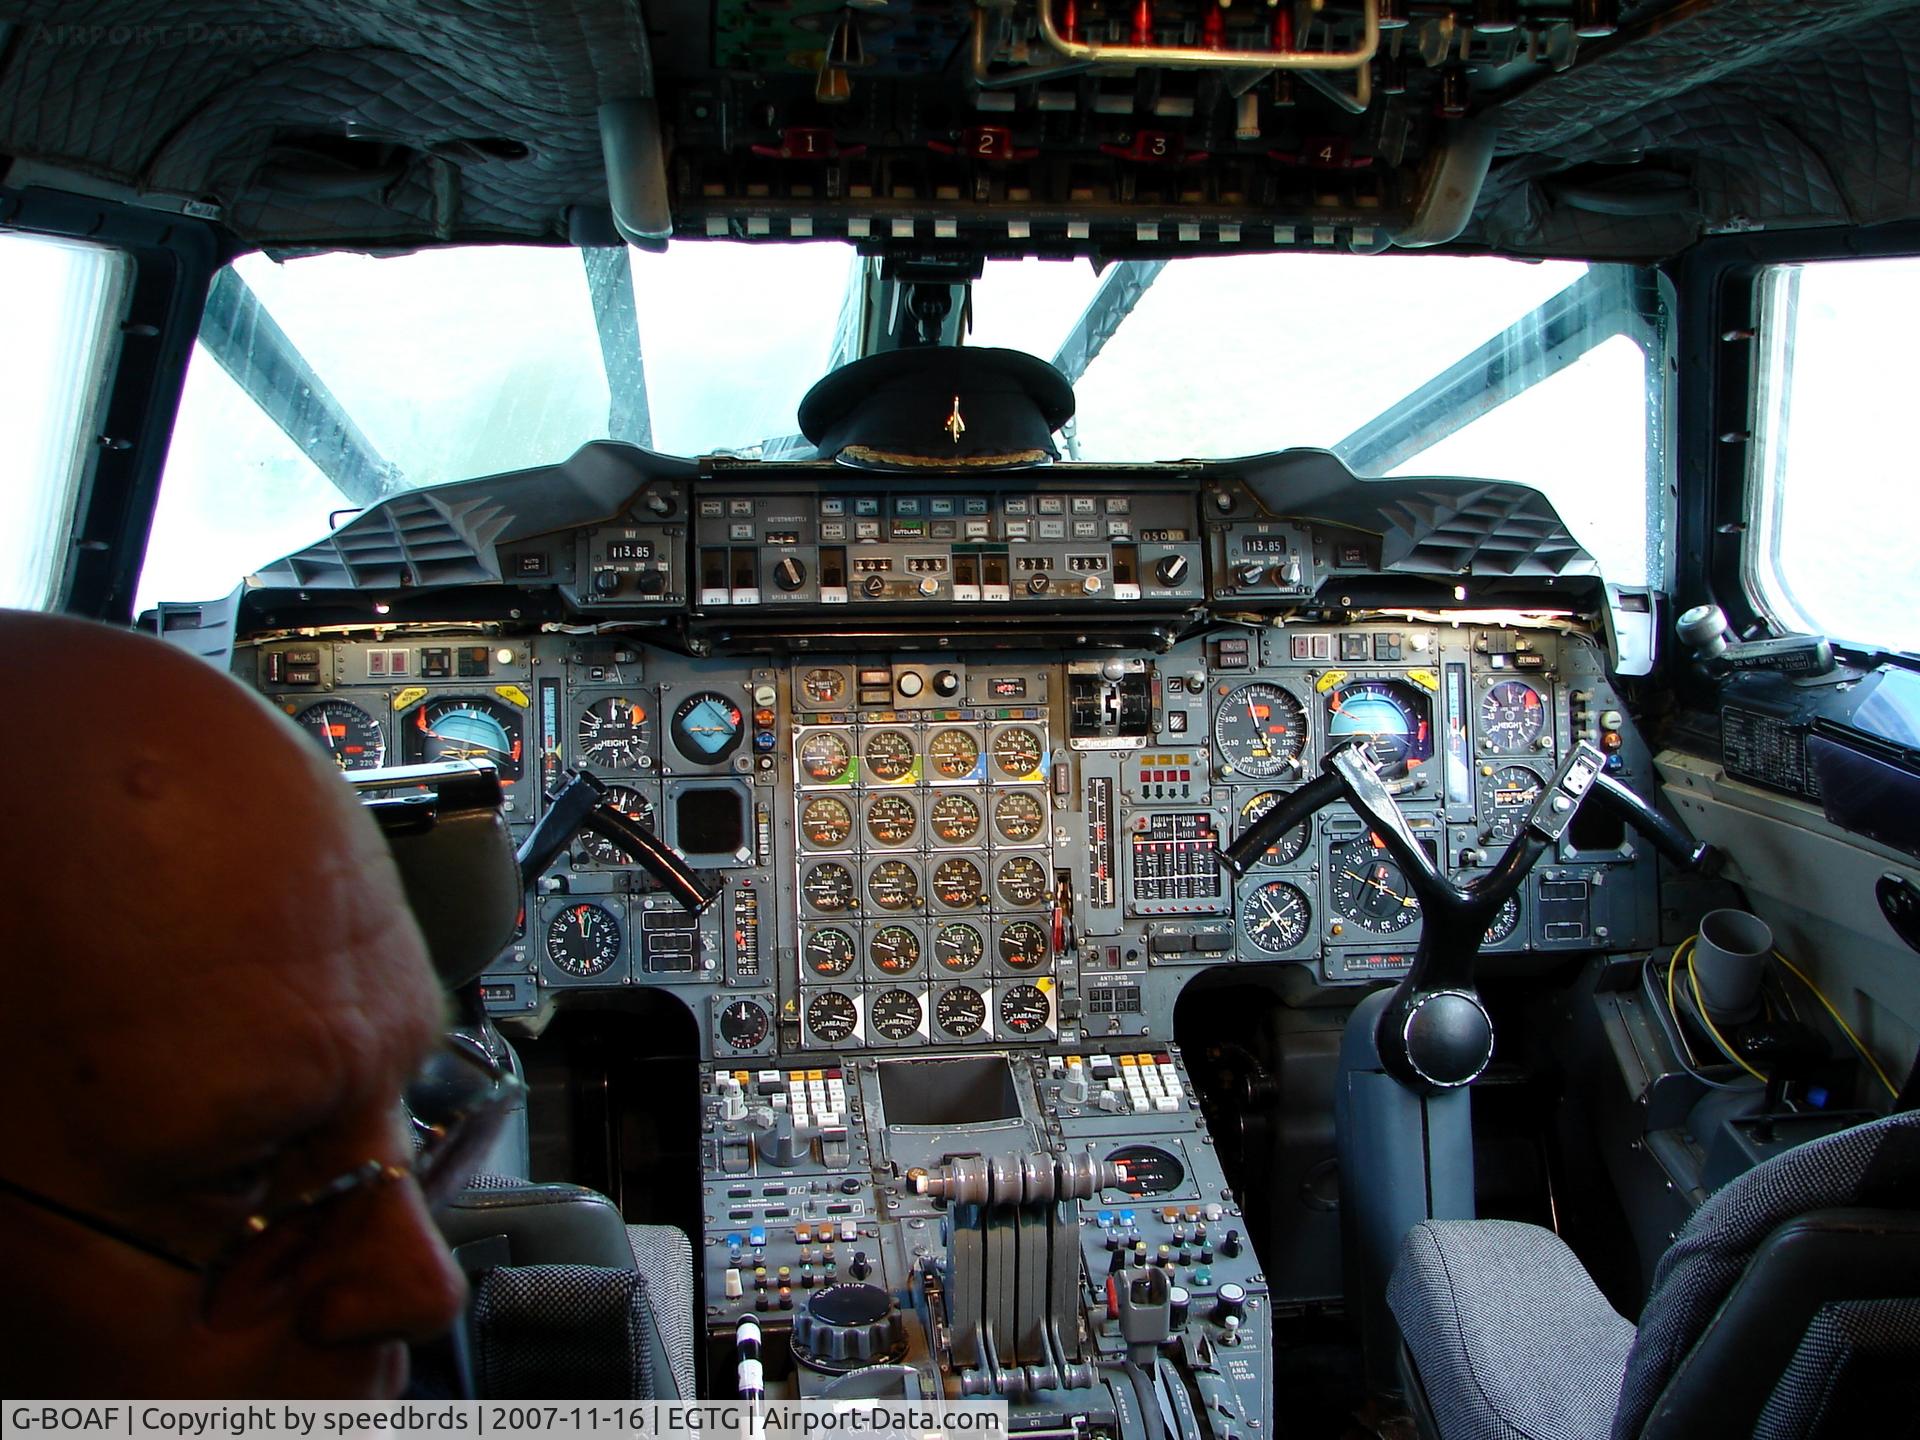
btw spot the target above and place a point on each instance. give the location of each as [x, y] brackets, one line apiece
[1258, 838]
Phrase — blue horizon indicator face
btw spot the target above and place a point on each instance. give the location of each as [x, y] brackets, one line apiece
[465, 728]
[1395, 718]
[707, 728]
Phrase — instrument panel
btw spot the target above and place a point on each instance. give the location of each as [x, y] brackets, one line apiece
[997, 848]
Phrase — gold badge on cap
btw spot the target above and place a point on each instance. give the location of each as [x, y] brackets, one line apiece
[955, 426]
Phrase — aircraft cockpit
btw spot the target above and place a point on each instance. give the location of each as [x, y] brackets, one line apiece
[1132, 658]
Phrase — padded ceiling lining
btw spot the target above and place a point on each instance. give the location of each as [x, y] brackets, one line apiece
[1772, 112]
[188, 99]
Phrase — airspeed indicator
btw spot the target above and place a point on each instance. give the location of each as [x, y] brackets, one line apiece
[1260, 731]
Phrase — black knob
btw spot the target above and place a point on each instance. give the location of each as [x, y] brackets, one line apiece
[1037, 584]
[1230, 1247]
[874, 585]
[1232, 1304]
[1448, 1037]
[843, 1327]
[1179, 1304]
[946, 682]
[606, 582]
[1172, 569]
[652, 582]
[789, 574]
[859, 1269]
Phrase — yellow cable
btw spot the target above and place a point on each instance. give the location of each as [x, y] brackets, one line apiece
[1845, 1029]
[1700, 1005]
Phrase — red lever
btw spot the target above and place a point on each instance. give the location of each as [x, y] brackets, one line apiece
[1155, 147]
[1143, 22]
[1283, 27]
[1070, 19]
[985, 142]
[807, 142]
[1213, 28]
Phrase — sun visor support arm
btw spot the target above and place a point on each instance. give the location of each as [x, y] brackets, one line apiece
[635, 151]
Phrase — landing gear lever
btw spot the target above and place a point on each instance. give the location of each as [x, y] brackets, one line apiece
[1435, 1034]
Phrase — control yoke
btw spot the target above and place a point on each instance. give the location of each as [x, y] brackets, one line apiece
[581, 804]
[1434, 1033]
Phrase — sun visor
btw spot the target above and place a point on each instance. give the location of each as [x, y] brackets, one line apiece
[939, 406]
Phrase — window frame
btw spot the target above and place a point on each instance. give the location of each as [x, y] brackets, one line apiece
[172, 257]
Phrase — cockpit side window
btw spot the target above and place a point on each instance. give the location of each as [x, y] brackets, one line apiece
[62, 301]
[1831, 501]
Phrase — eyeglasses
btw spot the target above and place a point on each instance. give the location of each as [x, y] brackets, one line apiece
[454, 1104]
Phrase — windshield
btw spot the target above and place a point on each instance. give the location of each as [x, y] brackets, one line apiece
[322, 384]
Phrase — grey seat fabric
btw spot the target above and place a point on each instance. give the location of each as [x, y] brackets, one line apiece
[560, 1332]
[1513, 1339]
[1876, 1164]
[553, 1232]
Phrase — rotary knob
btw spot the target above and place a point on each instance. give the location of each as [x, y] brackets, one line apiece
[873, 585]
[606, 582]
[789, 574]
[946, 682]
[1171, 569]
[845, 1327]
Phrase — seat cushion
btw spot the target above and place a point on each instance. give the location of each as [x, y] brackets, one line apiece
[557, 1332]
[1876, 1165]
[1509, 1335]
[664, 1257]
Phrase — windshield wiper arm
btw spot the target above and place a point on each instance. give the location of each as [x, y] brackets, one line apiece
[616, 317]
[1120, 290]
[249, 345]
[1607, 301]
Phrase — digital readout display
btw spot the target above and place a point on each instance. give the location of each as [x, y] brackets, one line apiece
[627, 551]
[1263, 544]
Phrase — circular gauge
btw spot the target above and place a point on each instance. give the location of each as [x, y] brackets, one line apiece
[616, 733]
[892, 820]
[1261, 731]
[954, 819]
[896, 1014]
[1368, 887]
[744, 1024]
[893, 949]
[1512, 791]
[829, 952]
[1024, 1009]
[958, 946]
[1019, 816]
[826, 822]
[825, 756]
[890, 756]
[832, 1016]
[706, 728]
[1512, 716]
[829, 888]
[955, 754]
[467, 727]
[1022, 880]
[583, 940]
[1394, 718]
[961, 1011]
[350, 736]
[1277, 917]
[823, 686]
[1023, 945]
[892, 885]
[1148, 1170]
[957, 883]
[630, 803]
[1504, 921]
[1016, 753]
[1289, 846]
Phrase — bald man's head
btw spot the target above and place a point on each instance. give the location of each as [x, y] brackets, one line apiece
[227, 990]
